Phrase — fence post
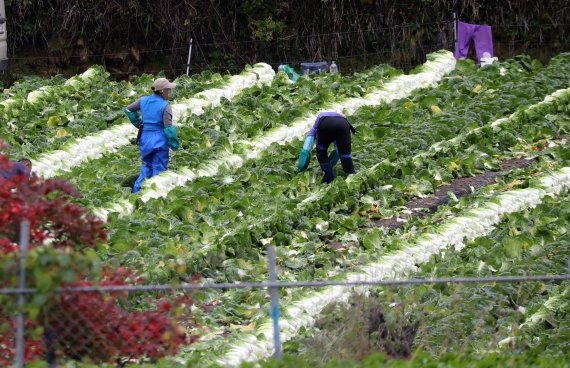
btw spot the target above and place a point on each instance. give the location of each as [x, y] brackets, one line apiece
[50, 348]
[454, 30]
[20, 320]
[189, 55]
[274, 293]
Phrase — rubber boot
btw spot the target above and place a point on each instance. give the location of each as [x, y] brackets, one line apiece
[347, 166]
[328, 170]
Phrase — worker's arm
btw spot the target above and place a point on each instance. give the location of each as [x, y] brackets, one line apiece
[305, 155]
[132, 113]
[170, 129]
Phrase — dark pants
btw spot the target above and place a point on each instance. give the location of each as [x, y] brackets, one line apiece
[334, 129]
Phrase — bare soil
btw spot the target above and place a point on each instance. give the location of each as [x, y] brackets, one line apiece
[460, 187]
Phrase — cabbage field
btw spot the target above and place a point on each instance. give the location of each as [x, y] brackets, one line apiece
[233, 189]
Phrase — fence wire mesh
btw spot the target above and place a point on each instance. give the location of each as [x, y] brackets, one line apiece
[96, 327]
[122, 325]
[437, 319]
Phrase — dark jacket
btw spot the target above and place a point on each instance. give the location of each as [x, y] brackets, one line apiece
[12, 170]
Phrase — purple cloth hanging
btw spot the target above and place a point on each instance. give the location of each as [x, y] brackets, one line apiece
[482, 35]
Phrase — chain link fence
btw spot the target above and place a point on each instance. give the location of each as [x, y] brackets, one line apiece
[123, 324]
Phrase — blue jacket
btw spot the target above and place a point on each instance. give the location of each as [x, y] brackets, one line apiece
[152, 110]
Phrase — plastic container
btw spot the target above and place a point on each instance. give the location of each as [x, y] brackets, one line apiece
[314, 68]
[488, 60]
[333, 68]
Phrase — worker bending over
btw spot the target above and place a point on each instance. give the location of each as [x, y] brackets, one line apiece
[329, 127]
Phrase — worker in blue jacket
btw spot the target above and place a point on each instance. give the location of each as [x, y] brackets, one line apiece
[329, 128]
[156, 132]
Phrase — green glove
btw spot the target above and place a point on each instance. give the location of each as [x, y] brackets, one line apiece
[172, 137]
[133, 117]
[304, 159]
[291, 73]
[334, 156]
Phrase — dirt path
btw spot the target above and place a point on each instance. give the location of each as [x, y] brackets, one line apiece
[460, 187]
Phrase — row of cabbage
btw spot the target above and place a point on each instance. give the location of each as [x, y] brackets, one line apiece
[173, 246]
[21, 87]
[78, 106]
[218, 131]
[108, 141]
[62, 117]
[503, 318]
[312, 253]
[45, 118]
[232, 213]
[444, 238]
[304, 217]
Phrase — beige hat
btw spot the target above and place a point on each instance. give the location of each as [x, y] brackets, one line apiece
[162, 83]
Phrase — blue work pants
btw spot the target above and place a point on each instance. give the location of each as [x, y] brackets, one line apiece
[153, 147]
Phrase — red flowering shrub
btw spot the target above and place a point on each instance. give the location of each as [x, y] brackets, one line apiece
[90, 326]
[45, 203]
[93, 325]
[34, 347]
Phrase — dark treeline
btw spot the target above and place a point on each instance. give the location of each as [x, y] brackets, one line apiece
[132, 36]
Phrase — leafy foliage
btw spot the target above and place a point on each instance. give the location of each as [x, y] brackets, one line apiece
[355, 33]
[56, 114]
[62, 236]
[52, 219]
[220, 225]
[229, 216]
